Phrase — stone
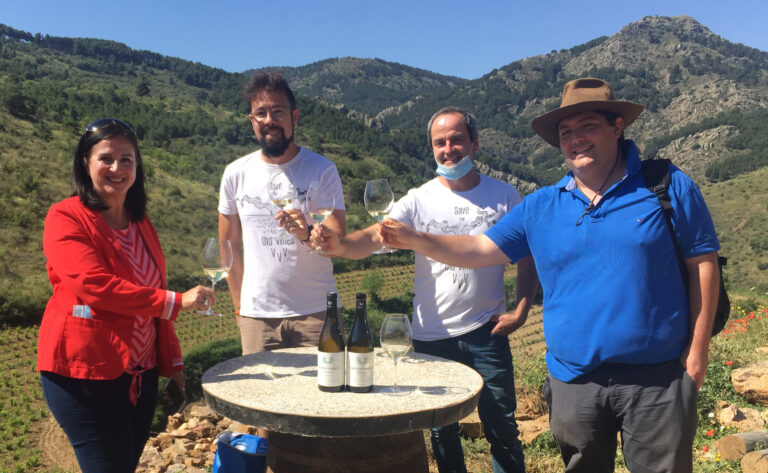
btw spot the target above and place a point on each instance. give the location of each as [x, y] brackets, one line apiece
[184, 433]
[195, 453]
[150, 456]
[224, 423]
[530, 429]
[204, 412]
[241, 428]
[744, 419]
[471, 426]
[163, 440]
[203, 429]
[751, 381]
[175, 421]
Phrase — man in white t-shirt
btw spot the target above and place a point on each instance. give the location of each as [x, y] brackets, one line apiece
[278, 286]
[459, 312]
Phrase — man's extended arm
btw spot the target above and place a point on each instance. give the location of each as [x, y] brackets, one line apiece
[703, 285]
[230, 229]
[466, 251]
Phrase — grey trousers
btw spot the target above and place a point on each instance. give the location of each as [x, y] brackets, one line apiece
[653, 407]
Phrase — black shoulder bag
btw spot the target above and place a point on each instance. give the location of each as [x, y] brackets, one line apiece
[656, 176]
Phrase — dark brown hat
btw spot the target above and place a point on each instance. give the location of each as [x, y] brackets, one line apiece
[581, 95]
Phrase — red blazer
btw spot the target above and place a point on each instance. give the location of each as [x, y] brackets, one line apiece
[86, 266]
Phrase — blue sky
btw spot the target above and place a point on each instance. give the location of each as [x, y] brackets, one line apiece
[462, 38]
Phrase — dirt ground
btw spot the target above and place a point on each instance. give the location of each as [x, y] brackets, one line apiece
[55, 447]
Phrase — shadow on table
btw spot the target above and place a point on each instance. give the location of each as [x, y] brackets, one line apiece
[440, 390]
[272, 366]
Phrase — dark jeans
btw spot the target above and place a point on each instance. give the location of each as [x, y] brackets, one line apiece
[106, 431]
[652, 406]
[490, 356]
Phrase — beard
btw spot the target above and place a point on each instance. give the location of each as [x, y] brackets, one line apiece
[276, 146]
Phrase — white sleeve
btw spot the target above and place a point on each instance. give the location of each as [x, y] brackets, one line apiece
[403, 209]
[227, 202]
[330, 180]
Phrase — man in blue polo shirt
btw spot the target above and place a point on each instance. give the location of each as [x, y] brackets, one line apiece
[627, 344]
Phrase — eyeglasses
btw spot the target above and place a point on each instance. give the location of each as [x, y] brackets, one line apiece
[103, 123]
[277, 113]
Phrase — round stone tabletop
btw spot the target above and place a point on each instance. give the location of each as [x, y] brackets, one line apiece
[277, 390]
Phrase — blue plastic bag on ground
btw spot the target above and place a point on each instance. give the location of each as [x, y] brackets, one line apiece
[240, 453]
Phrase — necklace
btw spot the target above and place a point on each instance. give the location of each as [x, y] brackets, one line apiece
[592, 205]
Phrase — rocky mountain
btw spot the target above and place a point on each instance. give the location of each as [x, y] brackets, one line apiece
[365, 85]
[697, 87]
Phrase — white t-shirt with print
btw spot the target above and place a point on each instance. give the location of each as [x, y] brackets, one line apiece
[281, 278]
[450, 301]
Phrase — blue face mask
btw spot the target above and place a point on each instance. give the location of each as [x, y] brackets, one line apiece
[457, 171]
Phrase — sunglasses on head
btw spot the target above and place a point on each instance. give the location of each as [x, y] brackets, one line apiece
[104, 123]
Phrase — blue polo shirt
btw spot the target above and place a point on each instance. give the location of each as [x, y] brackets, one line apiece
[613, 292]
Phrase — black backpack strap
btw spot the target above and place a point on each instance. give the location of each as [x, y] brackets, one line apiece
[656, 177]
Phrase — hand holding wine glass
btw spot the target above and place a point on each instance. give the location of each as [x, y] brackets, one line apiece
[281, 189]
[379, 201]
[395, 338]
[319, 204]
[217, 261]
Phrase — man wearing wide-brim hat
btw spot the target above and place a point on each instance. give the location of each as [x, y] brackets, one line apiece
[626, 342]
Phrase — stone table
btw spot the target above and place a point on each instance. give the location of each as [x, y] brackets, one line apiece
[314, 431]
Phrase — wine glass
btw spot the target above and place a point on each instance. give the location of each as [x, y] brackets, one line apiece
[395, 338]
[281, 189]
[379, 201]
[319, 204]
[217, 261]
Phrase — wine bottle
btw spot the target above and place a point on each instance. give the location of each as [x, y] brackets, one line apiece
[330, 350]
[360, 350]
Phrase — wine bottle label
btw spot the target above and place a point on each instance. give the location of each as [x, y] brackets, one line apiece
[330, 369]
[360, 369]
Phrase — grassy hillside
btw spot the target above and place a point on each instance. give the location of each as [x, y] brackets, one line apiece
[739, 208]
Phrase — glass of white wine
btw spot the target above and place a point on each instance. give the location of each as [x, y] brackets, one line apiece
[282, 191]
[319, 204]
[379, 201]
[395, 338]
[217, 261]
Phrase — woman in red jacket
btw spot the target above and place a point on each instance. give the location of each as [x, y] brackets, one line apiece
[107, 332]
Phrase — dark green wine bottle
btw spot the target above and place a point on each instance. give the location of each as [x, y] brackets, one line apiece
[360, 350]
[330, 350]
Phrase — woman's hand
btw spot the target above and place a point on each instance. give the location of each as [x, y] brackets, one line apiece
[178, 378]
[199, 297]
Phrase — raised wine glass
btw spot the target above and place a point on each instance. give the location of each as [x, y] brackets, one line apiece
[217, 261]
[379, 201]
[281, 189]
[319, 204]
[395, 338]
